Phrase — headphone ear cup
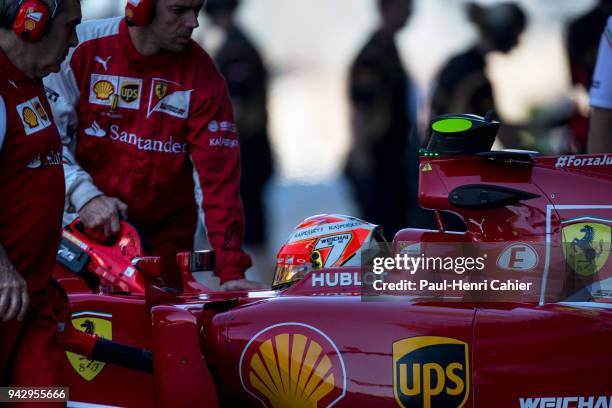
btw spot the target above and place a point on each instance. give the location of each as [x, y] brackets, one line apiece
[139, 12]
[31, 20]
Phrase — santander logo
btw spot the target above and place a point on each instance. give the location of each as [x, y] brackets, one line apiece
[169, 146]
[141, 143]
[95, 130]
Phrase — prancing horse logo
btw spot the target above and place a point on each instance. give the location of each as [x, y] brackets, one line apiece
[101, 327]
[586, 246]
[161, 89]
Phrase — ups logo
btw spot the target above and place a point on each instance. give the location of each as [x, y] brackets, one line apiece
[129, 92]
[431, 372]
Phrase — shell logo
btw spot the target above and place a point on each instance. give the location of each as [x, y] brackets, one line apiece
[30, 25]
[29, 117]
[293, 365]
[104, 89]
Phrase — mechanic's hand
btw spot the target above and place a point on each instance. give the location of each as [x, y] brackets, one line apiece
[242, 284]
[103, 213]
[14, 299]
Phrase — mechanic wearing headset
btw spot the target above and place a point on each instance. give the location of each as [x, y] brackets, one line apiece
[143, 114]
[600, 131]
[34, 39]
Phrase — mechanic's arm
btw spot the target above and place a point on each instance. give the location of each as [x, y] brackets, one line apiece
[82, 196]
[13, 289]
[600, 131]
[14, 298]
[216, 158]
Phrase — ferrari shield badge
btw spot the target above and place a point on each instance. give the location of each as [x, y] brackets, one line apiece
[293, 365]
[431, 372]
[169, 98]
[586, 244]
[160, 89]
[91, 323]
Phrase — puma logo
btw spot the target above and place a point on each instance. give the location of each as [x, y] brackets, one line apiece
[102, 62]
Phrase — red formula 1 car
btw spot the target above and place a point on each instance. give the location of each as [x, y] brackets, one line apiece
[319, 340]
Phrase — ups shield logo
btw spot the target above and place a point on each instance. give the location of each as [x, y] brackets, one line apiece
[129, 92]
[431, 372]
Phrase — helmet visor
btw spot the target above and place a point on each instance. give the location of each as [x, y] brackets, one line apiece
[285, 274]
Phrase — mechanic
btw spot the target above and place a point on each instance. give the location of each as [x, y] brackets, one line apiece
[35, 36]
[241, 64]
[462, 85]
[600, 98]
[583, 35]
[145, 120]
[382, 99]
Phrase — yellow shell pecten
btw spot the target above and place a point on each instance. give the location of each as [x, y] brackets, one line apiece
[30, 117]
[298, 376]
[104, 89]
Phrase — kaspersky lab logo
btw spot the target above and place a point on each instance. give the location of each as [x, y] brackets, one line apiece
[431, 372]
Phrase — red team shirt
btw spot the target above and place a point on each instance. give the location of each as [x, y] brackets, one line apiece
[31, 177]
[143, 129]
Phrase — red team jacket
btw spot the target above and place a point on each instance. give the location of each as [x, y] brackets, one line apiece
[143, 129]
[31, 177]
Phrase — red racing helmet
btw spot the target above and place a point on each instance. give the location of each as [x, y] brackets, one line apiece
[324, 241]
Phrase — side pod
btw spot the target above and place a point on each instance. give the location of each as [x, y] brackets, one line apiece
[181, 376]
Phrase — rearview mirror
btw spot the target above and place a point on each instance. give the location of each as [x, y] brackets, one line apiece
[197, 261]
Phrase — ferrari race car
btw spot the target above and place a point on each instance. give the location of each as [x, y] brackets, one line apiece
[536, 333]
